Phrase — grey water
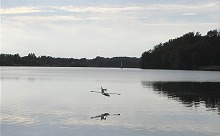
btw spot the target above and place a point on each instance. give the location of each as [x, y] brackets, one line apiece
[53, 101]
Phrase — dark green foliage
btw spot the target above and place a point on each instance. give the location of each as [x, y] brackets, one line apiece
[191, 51]
[32, 60]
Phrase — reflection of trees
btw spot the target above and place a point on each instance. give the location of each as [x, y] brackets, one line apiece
[190, 93]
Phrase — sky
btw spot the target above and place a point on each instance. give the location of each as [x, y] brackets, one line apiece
[107, 28]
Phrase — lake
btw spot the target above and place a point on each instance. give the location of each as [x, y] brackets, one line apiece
[54, 101]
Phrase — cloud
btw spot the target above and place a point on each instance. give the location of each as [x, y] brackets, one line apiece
[189, 14]
[47, 18]
[133, 13]
[144, 7]
[180, 24]
[113, 8]
[20, 10]
[151, 13]
[107, 29]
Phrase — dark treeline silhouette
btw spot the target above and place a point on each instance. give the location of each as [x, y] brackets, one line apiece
[191, 94]
[190, 51]
[32, 60]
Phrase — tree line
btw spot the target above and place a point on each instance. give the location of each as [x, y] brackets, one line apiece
[32, 60]
[188, 52]
[191, 51]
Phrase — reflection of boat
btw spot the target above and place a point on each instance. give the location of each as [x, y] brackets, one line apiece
[103, 92]
[104, 116]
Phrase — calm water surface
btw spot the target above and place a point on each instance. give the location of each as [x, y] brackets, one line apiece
[59, 102]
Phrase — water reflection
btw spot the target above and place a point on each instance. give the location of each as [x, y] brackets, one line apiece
[9, 78]
[104, 116]
[190, 93]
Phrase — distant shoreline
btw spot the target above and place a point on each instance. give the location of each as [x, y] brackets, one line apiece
[32, 60]
[191, 51]
[207, 68]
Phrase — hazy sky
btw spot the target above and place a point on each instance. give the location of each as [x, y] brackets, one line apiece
[90, 28]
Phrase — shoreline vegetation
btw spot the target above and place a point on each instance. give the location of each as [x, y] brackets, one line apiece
[47, 61]
[188, 52]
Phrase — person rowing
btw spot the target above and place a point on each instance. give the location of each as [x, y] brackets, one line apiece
[104, 92]
[104, 116]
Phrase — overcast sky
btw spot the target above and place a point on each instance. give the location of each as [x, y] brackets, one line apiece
[108, 28]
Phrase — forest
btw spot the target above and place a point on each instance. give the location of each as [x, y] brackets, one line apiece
[32, 60]
[188, 52]
[191, 51]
